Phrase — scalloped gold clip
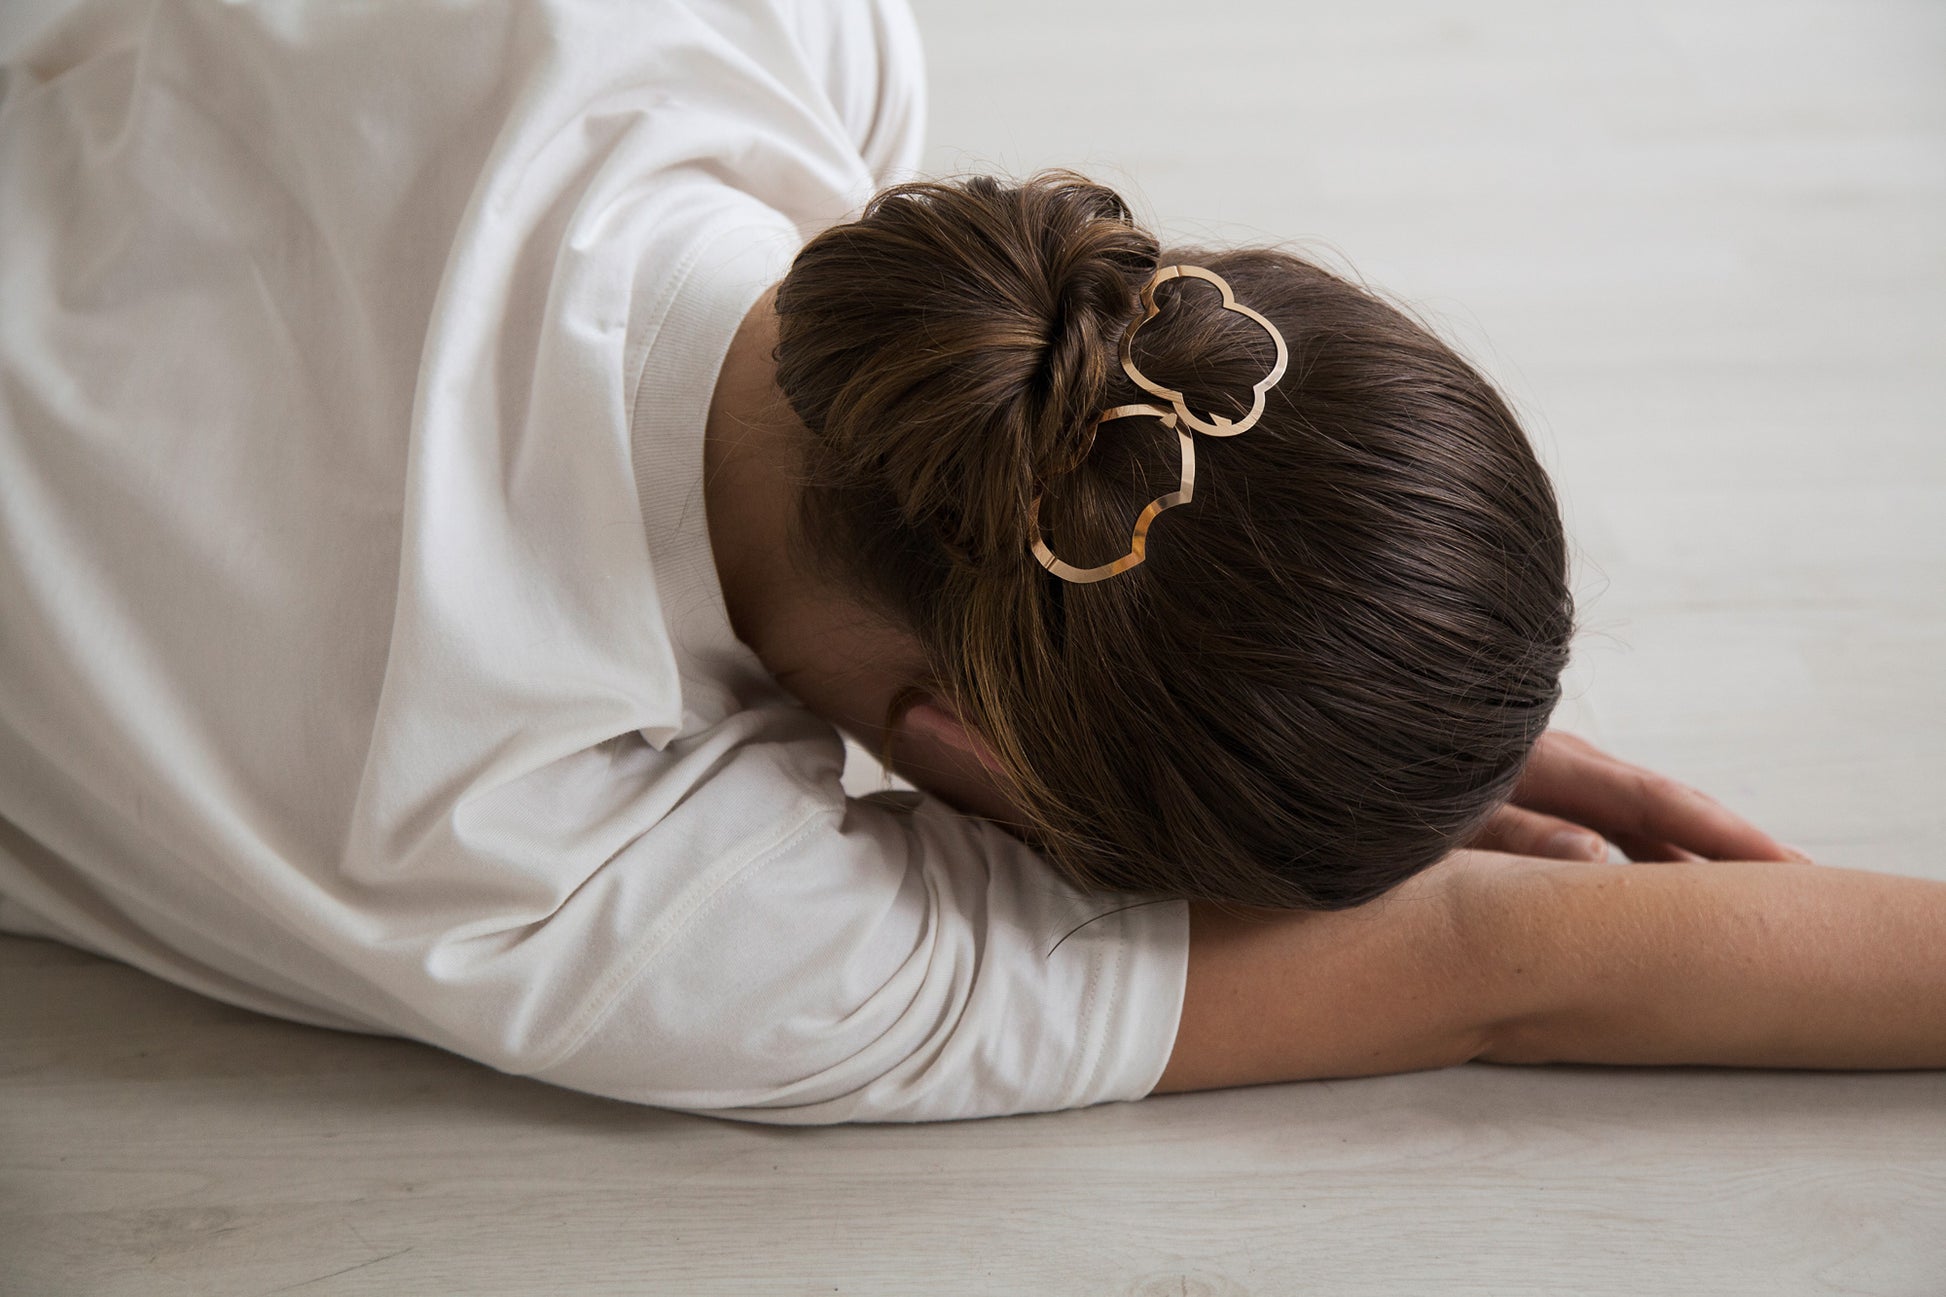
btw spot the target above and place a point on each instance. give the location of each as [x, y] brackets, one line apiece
[1180, 418]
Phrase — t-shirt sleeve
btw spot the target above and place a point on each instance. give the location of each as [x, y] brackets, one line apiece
[869, 60]
[871, 963]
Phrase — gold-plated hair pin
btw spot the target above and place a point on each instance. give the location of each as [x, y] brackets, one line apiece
[1185, 492]
[1180, 418]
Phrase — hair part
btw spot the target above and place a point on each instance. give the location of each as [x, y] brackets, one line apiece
[1333, 663]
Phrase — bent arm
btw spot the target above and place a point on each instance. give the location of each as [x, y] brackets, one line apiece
[1505, 959]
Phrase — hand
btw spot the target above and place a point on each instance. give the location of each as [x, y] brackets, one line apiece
[1574, 799]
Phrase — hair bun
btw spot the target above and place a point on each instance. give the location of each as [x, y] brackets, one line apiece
[957, 341]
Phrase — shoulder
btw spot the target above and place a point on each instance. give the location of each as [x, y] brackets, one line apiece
[873, 70]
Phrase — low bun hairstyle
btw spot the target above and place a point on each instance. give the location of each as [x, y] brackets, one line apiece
[951, 343]
[1333, 663]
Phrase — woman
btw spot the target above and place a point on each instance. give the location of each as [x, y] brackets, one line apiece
[449, 505]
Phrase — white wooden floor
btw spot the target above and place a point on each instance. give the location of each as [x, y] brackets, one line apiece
[1704, 245]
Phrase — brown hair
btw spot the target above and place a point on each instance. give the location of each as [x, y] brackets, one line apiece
[1334, 662]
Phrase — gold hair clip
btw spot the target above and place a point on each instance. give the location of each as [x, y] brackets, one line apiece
[1179, 418]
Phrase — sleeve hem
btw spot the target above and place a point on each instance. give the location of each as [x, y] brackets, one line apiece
[1151, 971]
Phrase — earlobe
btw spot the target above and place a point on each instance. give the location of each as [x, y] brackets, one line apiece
[933, 721]
[939, 753]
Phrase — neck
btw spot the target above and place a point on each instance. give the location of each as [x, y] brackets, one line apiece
[749, 447]
[843, 662]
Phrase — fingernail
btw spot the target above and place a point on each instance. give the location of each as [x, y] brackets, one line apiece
[1802, 857]
[1569, 844]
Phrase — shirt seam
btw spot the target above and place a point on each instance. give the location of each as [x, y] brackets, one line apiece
[1095, 1024]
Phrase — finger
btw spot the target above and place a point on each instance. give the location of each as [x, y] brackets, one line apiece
[1523, 832]
[1572, 779]
[1647, 850]
[1566, 739]
[1690, 819]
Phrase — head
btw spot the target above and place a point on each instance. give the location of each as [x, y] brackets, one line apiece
[1332, 664]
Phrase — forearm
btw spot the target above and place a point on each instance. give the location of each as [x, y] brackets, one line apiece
[1759, 964]
[1392, 986]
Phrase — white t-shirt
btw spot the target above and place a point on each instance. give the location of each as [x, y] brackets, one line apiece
[362, 659]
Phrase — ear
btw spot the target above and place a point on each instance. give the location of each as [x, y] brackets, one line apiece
[931, 720]
[933, 748]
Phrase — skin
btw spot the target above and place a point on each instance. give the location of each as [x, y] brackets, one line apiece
[847, 664]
